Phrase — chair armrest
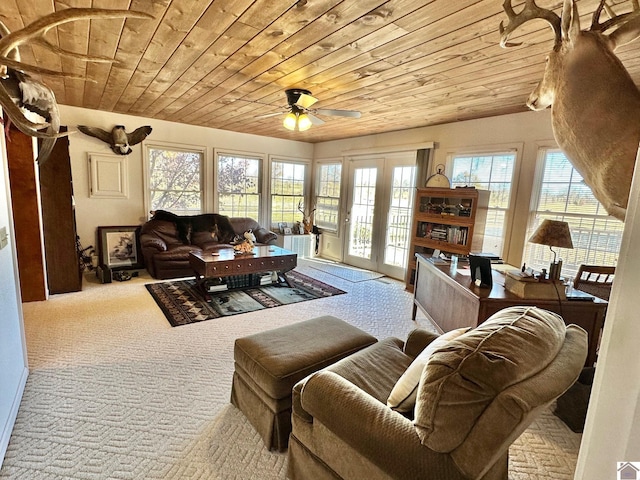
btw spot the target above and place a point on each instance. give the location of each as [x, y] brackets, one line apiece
[382, 436]
[418, 340]
[147, 241]
[296, 399]
[265, 236]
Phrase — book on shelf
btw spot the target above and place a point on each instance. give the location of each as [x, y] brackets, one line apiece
[266, 279]
[216, 285]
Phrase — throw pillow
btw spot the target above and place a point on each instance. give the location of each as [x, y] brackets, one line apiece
[403, 395]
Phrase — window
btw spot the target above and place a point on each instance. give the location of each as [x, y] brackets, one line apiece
[174, 179]
[238, 179]
[564, 196]
[493, 172]
[287, 192]
[328, 196]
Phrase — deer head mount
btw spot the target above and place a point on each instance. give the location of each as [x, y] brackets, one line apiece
[594, 102]
[19, 90]
[307, 220]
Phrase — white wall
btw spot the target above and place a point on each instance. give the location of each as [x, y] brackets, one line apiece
[94, 212]
[612, 429]
[13, 356]
[526, 131]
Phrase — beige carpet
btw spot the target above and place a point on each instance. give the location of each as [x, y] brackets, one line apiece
[352, 274]
[116, 393]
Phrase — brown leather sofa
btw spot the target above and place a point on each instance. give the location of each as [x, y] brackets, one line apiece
[167, 240]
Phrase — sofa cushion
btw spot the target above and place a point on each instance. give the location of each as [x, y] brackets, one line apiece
[176, 252]
[203, 237]
[403, 395]
[376, 369]
[243, 224]
[462, 378]
[163, 229]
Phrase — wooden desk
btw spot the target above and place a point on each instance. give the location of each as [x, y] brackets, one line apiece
[452, 301]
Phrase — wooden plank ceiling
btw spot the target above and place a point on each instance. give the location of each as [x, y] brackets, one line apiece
[223, 63]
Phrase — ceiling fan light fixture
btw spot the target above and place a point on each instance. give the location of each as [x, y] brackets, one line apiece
[300, 117]
[304, 122]
[290, 121]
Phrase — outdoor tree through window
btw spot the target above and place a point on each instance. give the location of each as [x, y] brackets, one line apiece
[287, 192]
[328, 196]
[239, 186]
[175, 179]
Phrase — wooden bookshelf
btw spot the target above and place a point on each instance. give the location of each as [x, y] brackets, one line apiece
[451, 220]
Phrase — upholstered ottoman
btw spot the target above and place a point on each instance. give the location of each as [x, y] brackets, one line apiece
[269, 364]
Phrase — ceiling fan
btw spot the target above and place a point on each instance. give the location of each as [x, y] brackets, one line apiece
[299, 115]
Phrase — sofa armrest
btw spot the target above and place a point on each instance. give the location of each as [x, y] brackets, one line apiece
[148, 241]
[265, 236]
[417, 341]
[381, 435]
[296, 402]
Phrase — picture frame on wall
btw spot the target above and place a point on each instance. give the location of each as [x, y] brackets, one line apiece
[119, 247]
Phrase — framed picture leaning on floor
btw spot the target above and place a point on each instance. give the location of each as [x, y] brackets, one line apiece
[119, 247]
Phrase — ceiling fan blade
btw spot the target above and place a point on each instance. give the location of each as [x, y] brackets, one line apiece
[315, 120]
[267, 115]
[339, 113]
[305, 101]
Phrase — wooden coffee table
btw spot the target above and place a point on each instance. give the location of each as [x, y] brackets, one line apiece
[227, 263]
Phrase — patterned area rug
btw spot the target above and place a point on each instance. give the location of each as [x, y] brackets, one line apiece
[183, 303]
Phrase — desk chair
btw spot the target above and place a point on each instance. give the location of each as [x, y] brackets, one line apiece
[596, 280]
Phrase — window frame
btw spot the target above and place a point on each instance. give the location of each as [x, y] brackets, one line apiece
[205, 196]
[306, 183]
[534, 213]
[262, 184]
[515, 149]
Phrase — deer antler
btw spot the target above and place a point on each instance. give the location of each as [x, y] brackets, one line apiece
[17, 88]
[531, 11]
[302, 210]
[614, 19]
[36, 30]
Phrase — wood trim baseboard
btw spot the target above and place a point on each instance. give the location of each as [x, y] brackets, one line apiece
[13, 414]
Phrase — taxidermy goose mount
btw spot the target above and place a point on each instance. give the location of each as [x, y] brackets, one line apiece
[118, 139]
[20, 92]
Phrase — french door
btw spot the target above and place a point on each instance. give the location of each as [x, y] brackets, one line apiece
[379, 212]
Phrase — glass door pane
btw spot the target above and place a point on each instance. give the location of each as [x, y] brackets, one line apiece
[362, 212]
[400, 216]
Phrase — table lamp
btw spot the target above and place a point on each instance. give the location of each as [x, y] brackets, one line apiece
[553, 233]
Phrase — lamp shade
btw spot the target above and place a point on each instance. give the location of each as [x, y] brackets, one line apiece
[552, 233]
[290, 121]
[304, 122]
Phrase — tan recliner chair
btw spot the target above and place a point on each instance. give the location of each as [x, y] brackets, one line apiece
[476, 395]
